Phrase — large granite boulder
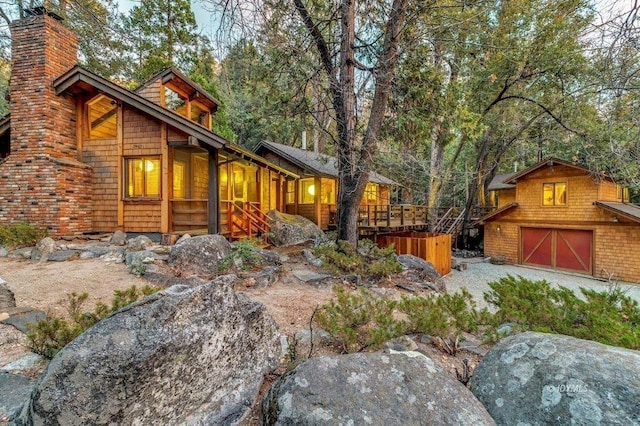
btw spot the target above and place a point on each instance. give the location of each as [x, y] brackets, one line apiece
[541, 379]
[423, 269]
[199, 255]
[14, 390]
[289, 230]
[371, 388]
[192, 355]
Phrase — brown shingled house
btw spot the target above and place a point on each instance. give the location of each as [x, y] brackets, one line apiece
[80, 153]
[557, 215]
[313, 194]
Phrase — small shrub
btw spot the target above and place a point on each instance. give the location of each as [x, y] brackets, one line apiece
[609, 317]
[445, 316]
[368, 259]
[358, 320]
[50, 335]
[243, 256]
[21, 234]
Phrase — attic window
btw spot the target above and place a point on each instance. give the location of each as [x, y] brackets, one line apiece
[102, 117]
[175, 101]
[554, 194]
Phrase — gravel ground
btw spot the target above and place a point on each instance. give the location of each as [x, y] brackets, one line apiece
[479, 274]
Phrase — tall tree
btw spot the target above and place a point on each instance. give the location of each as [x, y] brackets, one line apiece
[351, 39]
[160, 33]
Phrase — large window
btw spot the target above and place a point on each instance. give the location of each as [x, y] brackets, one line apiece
[290, 197]
[554, 194]
[142, 177]
[102, 118]
[307, 191]
[328, 192]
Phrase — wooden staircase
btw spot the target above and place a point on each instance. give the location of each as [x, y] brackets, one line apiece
[450, 223]
[247, 221]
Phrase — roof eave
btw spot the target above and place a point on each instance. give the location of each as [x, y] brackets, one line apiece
[617, 212]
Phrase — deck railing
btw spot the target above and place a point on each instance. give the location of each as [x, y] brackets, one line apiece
[388, 215]
[245, 221]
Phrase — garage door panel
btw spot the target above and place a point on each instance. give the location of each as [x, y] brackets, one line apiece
[569, 249]
[537, 246]
[573, 250]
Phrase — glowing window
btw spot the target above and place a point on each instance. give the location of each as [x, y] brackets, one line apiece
[328, 191]
[142, 177]
[307, 191]
[102, 118]
[291, 192]
[622, 193]
[371, 193]
[179, 170]
[554, 194]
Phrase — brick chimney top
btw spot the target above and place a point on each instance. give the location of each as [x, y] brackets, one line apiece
[41, 10]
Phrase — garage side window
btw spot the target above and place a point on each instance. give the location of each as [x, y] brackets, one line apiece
[554, 194]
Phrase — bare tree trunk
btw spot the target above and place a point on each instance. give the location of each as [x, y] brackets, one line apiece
[354, 156]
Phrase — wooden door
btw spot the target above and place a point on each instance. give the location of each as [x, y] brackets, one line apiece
[569, 249]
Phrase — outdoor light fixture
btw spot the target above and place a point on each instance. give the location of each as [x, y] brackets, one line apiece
[615, 219]
[498, 228]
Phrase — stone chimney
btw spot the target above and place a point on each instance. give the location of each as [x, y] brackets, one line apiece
[41, 181]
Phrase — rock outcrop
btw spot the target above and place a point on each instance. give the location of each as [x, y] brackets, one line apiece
[289, 230]
[199, 255]
[540, 379]
[43, 249]
[371, 388]
[192, 355]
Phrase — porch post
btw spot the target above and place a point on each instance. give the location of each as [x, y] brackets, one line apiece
[214, 200]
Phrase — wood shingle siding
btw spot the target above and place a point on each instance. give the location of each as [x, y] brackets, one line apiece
[613, 239]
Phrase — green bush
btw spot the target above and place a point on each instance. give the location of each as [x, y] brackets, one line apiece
[609, 317]
[243, 256]
[367, 260]
[360, 320]
[21, 234]
[50, 335]
[446, 315]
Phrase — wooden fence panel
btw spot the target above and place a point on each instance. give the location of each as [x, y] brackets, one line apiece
[435, 248]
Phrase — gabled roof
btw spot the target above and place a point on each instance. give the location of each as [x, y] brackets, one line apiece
[173, 74]
[551, 161]
[315, 163]
[628, 211]
[498, 182]
[78, 77]
[495, 214]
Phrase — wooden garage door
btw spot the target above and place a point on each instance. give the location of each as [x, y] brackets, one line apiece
[569, 249]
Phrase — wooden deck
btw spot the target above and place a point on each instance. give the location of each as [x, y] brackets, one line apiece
[385, 218]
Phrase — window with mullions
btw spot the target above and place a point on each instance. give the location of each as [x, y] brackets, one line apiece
[142, 177]
[622, 193]
[554, 194]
